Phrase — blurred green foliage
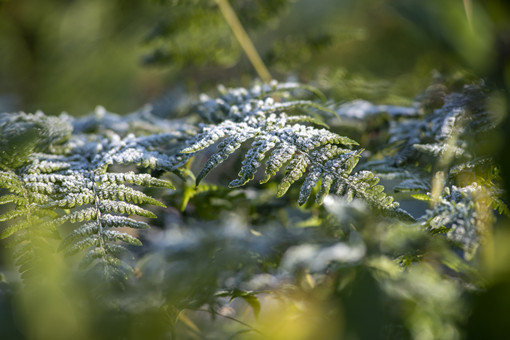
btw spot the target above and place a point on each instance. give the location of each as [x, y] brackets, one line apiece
[72, 55]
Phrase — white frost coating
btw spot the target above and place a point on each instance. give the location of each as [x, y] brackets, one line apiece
[440, 149]
[362, 109]
[316, 258]
[457, 212]
[341, 207]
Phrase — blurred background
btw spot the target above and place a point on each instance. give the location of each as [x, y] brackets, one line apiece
[71, 55]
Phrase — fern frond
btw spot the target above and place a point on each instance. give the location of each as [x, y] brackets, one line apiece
[86, 214]
[234, 100]
[225, 148]
[500, 206]
[253, 157]
[364, 185]
[438, 150]
[414, 184]
[18, 200]
[257, 119]
[301, 105]
[95, 237]
[107, 257]
[279, 156]
[12, 214]
[109, 206]
[23, 134]
[296, 168]
[284, 142]
[49, 165]
[94, 227]
[275, 88]
[72, 184]
[11, 182]
[126, 194]
[10, 230]
[306, 119]
[144, 180]
[455, 217]
[73, 199]
[460, 117]
[115, 221]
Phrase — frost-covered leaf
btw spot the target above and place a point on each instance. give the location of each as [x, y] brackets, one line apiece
[283, 143]
[63, 178]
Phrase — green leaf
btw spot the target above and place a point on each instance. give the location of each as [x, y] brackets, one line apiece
[247, 296]
[421, 197]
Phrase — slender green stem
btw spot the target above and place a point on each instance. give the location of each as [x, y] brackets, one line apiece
[468, 8]
[244, 40]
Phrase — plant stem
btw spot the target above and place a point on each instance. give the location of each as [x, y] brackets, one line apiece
[468, 8]
[244, 40]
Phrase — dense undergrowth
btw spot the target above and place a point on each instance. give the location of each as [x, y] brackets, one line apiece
[232, 260]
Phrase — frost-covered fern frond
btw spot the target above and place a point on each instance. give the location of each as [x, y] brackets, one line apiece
[231, 100]
[295, 143]
[462, 117]
[445, 139]
[440, 156]
[464, 216]
[21, 135]
[79, 185]
[466, 212]
[141, 122]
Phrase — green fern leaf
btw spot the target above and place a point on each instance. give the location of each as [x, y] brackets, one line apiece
[12, 214]
[18, 200]
[295, 170]
[126, 194]
[144, 180]
[10, 230]
[226, 148]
